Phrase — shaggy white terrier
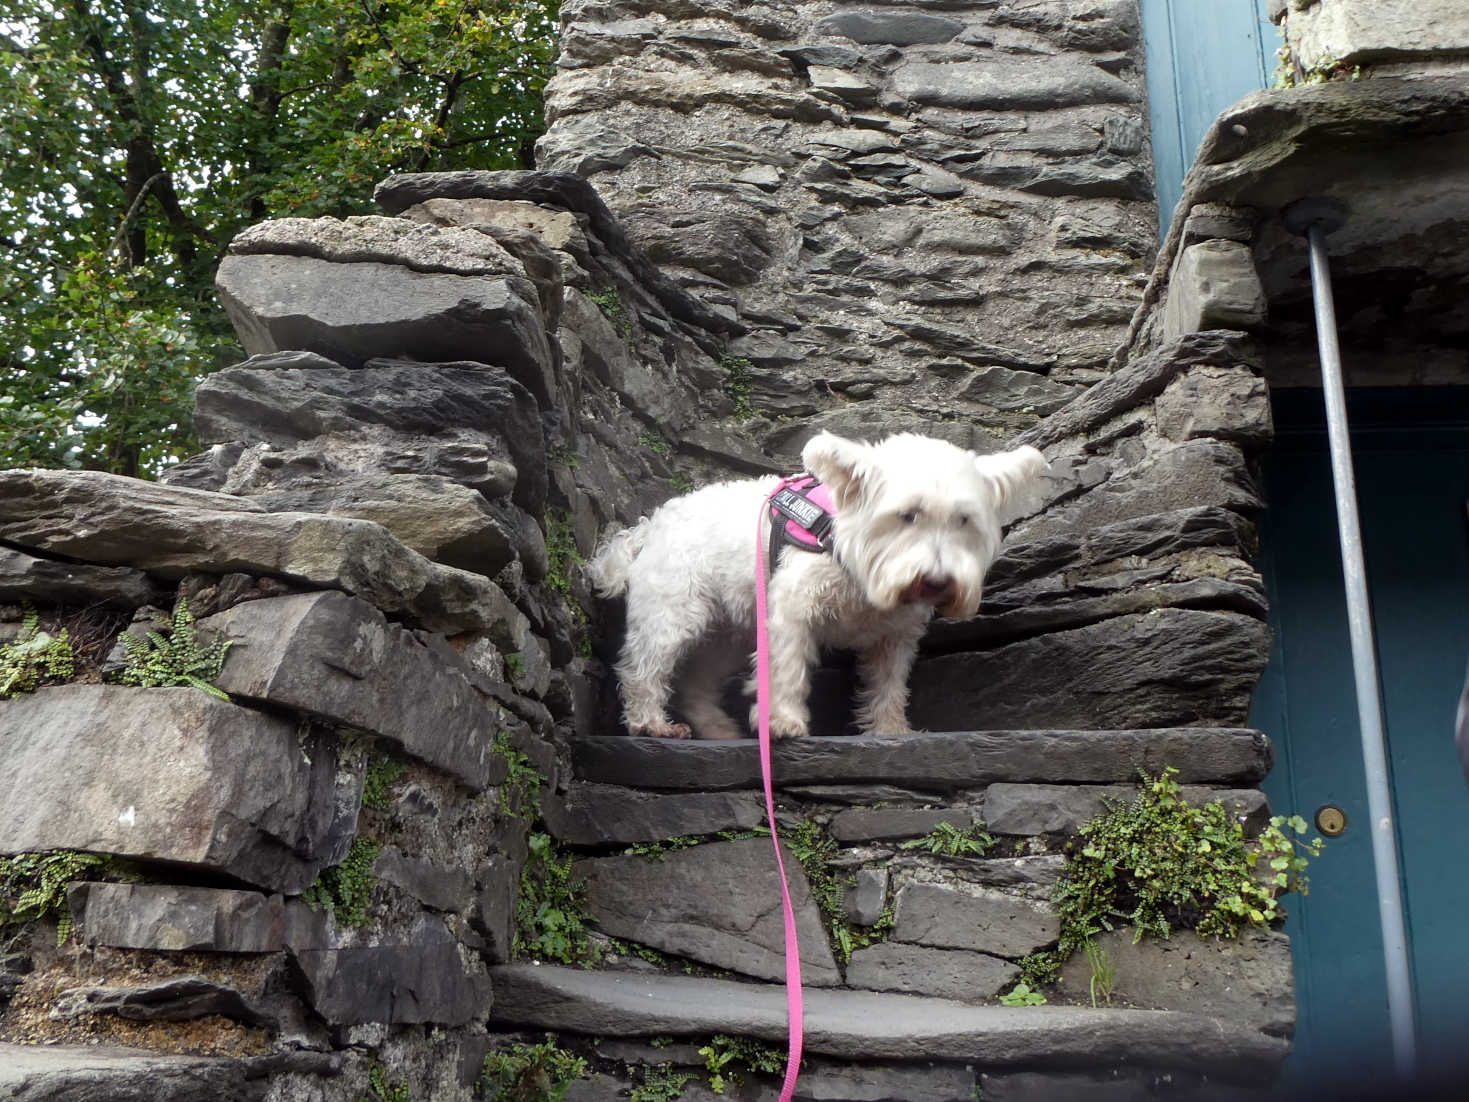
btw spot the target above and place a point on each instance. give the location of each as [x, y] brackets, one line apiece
[917, 524]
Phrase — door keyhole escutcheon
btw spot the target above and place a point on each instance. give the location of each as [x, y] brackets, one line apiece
[1331, 820]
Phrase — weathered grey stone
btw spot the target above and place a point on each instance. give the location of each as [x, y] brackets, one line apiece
[425, 981]
[1023, 619]
[353, 312]
[175, 918]
[877, 1083]
[28, 578]
[718, 903]
[177, 999]
[1214, 286]
[1154, 670]
[869, 1026]
[166, 775]
[1014, 390]
[1009, 84]
[1026, 809]
[397, 406]
[1247, 980]
[1200, 472]
[373, 238]
[438, 887]
[936, 762]
[889, 28]
[1228, 403]
[335, 656]
[1347, 33]
[558, 190]
[492, 914]
[860, 824]
[731, 247]
[173, 531]
[600, 814]
[842, 84]
[864, 901]
[1119, 1085]
[942, 973]
[1140, 381]
[1167, 533]
[980, 919]
[87, 1073]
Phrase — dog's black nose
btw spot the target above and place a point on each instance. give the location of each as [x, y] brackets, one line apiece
[934, 588]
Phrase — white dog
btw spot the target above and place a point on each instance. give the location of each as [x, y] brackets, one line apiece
[916, 524]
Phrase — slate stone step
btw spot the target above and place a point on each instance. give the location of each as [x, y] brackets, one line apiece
[941, 762]
[869, 1026]
[85, 1073]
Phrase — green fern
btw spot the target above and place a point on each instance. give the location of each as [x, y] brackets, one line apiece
[34, 657]
[33, 886]
[156, 660]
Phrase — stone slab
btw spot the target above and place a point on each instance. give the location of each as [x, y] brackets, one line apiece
[176, 918]
[337, 657]
[1214, 286]
[870, 1026]
[1009, 84]
[167, 775]
[109, 1073]
[941, 762]
[406, 984]
[1025, 809]
[919, 970]
[1140, 381]
[351, 312]
[887, 824]
[1246, 980]
[600, 814]
[717, 903]
[1171, 666]
[47, 581]
[980, 919]
[172, 531]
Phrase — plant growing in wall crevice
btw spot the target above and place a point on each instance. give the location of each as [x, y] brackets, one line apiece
[34, 658]
[1158, 864]
[156, 660]
[33, 886]
[346, 889]
[530, 1073]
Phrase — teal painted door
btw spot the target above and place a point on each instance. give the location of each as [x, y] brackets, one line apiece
[1412, 458]
[1202, 56]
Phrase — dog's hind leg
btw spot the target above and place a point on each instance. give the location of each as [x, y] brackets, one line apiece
[705, 675]
[659, 632]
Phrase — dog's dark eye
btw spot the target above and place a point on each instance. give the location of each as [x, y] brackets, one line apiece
[961, 520]
[908, 516]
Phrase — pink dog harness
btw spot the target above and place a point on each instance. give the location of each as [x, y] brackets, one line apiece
[808, 509]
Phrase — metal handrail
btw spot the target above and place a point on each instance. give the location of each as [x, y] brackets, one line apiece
[1314, 219]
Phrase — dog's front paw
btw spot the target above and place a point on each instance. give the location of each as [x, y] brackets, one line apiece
[788, 728]
[665, 730]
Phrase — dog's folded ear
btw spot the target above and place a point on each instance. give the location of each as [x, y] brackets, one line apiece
[844, 465]
[1015, 476]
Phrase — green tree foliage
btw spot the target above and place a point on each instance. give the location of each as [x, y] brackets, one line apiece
[138, 137]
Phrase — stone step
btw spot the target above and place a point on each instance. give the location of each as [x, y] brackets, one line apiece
[871, 1026]
[941, 761]
[96, 1073]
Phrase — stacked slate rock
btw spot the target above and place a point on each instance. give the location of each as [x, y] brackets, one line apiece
[439, 408]
[931, 214]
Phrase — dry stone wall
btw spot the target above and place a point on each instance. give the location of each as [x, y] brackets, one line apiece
[935, 213]
[443, 406]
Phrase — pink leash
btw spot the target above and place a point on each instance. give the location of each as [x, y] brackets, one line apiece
[762, 705]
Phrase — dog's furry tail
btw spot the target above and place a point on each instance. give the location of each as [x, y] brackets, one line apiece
[609, 568]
